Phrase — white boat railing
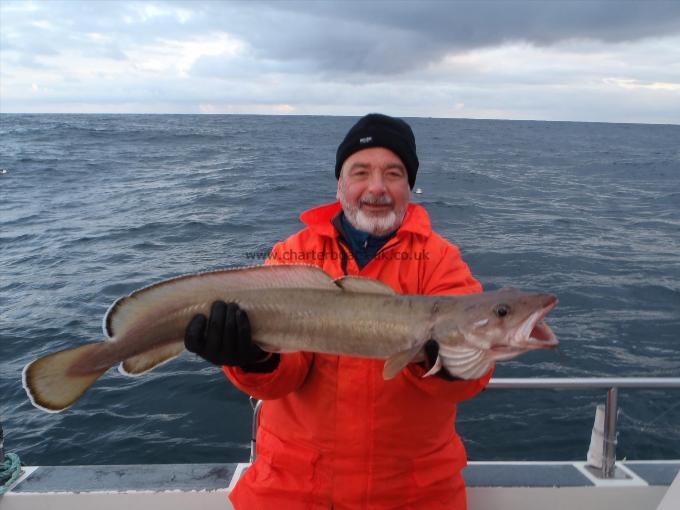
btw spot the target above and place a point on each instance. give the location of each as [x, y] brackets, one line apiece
[572, 383]
[611, 384]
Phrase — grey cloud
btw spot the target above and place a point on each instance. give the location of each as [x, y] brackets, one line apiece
[56, 27]
[242, 67]
[353, 57]
[339, 38]
[35, 46]
[392, 37]
[483, 23]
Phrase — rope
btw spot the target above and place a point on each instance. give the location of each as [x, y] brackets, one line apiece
[9, 472]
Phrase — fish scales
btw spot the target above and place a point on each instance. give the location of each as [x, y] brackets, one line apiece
[366, 325]
[299, 319]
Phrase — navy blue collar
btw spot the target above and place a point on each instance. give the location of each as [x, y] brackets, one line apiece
[364, 246]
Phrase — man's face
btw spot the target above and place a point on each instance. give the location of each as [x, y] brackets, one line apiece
[373, 190]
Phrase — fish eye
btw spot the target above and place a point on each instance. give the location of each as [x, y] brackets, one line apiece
[501, 310]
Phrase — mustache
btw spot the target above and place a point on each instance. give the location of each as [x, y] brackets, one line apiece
[369, 199]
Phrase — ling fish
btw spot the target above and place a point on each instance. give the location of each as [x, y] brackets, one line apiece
[300, 308]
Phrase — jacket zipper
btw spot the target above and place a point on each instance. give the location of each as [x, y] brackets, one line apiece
[381, 250]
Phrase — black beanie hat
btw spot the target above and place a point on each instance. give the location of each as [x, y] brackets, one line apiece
[377, 130]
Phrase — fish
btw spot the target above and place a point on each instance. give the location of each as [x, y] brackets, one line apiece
[300, 308]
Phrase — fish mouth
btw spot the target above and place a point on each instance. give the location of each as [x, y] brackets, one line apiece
[533, 333]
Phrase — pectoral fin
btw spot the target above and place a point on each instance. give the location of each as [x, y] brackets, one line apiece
[396, 363]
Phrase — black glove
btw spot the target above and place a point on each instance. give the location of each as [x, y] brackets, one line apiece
[227, 341]
[431, 348]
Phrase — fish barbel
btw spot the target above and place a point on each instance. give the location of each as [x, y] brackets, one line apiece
[300, 308]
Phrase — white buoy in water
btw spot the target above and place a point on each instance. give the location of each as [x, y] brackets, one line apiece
[418, 191]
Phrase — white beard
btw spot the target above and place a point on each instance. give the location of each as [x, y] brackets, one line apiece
[378, 225]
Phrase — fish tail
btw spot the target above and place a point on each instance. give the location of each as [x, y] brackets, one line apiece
[54, 382]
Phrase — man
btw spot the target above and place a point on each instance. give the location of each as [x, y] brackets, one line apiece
[333, 433]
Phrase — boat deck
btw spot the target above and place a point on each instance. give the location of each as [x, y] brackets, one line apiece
[639, 485]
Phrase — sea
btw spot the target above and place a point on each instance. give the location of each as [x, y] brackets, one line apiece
[93, 207]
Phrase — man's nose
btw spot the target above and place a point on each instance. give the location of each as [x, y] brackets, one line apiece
[376, 185]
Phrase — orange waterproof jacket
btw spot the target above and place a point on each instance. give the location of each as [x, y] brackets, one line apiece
[333, 433]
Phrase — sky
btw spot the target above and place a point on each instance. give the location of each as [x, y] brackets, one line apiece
[605, 61]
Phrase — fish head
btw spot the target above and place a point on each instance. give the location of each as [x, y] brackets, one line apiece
[508, 322]
[495, 325]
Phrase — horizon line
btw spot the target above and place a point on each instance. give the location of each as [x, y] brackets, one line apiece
[210, 114]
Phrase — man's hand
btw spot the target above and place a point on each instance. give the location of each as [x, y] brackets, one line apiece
[431, 348]
[224, 339]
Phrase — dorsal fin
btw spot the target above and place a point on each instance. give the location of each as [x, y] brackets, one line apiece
[169, 293]
[361, 284]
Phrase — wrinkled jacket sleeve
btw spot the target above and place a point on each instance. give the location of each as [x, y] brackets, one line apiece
[287, 377]
[447, 274]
